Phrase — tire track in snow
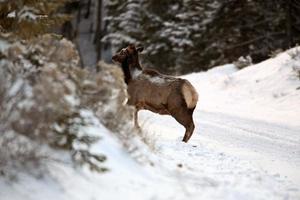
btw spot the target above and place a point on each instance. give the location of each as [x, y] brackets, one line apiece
[231, 155]
[272, 140]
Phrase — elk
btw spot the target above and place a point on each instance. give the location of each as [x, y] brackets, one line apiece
[150, 90]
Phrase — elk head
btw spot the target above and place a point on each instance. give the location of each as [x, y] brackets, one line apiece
[129, 54]
[129, 60]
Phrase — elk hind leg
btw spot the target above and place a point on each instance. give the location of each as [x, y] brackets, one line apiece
[185, 117]
[189, 129]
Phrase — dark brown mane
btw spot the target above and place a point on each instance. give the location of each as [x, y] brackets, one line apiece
[126, 71]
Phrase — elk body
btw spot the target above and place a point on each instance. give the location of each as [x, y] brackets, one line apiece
[150, 90]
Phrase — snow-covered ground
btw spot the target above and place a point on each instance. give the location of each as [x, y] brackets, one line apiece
[246, 145]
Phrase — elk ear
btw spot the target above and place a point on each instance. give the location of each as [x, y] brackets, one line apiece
[131, 46]
[140, 49]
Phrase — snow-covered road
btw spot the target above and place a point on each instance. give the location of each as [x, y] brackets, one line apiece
[246, 145]
[246, 159]
[270, 146]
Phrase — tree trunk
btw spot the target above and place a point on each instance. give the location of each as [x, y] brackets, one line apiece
[98, 33]
[78, 19]
[289, 37]
[88, 10]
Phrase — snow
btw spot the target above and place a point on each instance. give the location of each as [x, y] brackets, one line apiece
[245, 146]
[156, 80]
[16, 87]
[72, 100]
[4, 45]
[28, 13]
[12, 14]
[136, 72]
[266, 91]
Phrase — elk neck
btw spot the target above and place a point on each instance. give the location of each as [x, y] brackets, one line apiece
[135, 67]
[131, 69]
[126, 71]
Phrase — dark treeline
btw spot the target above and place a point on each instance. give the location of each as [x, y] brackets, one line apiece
[196, 35]
[178, 36]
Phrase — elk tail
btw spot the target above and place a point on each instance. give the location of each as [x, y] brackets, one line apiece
[190, 94]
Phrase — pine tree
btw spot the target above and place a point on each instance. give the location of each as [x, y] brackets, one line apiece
[163, 33]
[27, 18]
[171, 28]
[194, 35]
[292, 22]
[243, 27]
[122, 23]
[198, 14]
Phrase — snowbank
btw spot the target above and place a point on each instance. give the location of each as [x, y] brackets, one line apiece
[268, 91]
[245, 146]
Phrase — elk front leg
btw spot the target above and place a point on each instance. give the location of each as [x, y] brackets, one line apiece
[136, 123]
